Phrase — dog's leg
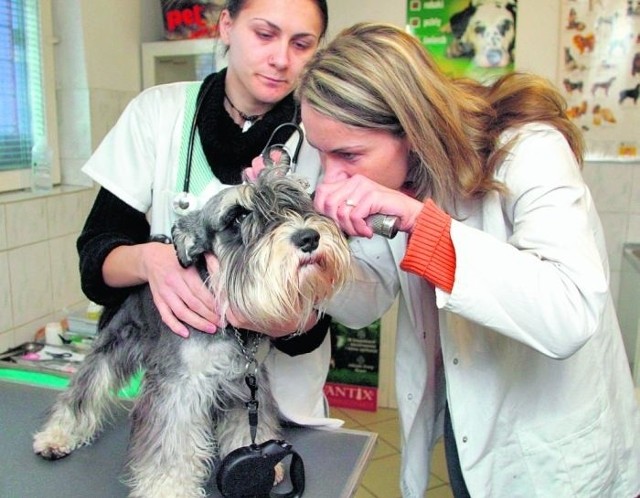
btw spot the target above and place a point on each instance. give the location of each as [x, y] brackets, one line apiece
[171, 445]
[79, 412]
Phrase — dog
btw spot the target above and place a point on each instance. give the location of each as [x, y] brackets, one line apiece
[635, 65]
[573, 22]
[630, 93]
[570, 62]
[602, 115]
[571, 86]
[602, 85]
[575, 112]
[584, 43]
[279, 261]
[485, 32]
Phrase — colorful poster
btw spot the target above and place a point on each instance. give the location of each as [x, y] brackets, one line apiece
[468, 38]
[599, 74]
[352, 381]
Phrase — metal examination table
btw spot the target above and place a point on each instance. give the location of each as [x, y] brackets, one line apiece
[334, 459]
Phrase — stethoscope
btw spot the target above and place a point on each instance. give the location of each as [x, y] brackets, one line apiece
[274, 154]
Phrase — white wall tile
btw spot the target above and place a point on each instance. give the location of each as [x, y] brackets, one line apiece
[71, 174]
[3, 228]
[610, 185]
[28, 331]
[634, 205]
[74, 123]
[31, 290]
[65, 276]
[615, 231]
[6, 340]
[633, 229]
[6, 313]
[106, 108]
[26, 222]
[64, 214]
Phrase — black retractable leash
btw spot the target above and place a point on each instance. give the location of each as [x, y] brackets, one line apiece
[248, 472]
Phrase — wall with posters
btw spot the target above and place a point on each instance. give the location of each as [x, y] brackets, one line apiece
[599, 73]
[615, 185]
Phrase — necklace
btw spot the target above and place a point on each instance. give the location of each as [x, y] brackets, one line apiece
[244, 116]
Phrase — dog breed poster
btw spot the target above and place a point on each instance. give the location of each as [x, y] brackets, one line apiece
[473, 38]
[599, 74]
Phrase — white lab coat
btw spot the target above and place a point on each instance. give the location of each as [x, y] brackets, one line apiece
[139, 161]
[539, 387]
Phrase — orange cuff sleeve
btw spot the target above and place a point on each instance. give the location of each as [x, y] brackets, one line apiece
[430, 252]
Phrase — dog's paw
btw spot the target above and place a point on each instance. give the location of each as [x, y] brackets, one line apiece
[279, 473]
[53, 444]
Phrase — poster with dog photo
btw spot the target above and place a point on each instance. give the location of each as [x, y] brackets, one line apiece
[472, 38]
[599, 74]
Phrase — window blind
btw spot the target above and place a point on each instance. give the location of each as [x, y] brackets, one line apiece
[22, 113]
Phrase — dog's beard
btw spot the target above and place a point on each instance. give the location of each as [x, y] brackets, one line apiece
[279, 283]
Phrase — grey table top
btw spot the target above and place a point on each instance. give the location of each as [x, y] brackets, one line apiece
[334, 459]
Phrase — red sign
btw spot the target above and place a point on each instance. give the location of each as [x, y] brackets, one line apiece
[351, 396]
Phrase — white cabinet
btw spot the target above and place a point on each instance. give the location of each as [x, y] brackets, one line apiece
[180, 60]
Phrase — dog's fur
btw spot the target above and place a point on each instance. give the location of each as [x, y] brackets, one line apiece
[279, 261]
[484, 31]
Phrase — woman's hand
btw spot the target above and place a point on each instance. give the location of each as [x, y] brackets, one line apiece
[179, 294]
[350, 201]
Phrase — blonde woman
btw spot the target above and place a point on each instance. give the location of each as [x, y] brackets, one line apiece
[507, 338]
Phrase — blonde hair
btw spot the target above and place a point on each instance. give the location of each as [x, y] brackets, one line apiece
[376, 76]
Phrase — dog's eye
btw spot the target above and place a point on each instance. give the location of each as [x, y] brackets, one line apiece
[240, 217]
[235, 216]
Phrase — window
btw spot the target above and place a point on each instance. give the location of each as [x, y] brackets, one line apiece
[26, 90]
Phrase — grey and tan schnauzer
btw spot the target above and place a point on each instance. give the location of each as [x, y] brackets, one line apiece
[279, 261]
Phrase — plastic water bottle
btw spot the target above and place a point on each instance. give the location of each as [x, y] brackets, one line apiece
[41, 158]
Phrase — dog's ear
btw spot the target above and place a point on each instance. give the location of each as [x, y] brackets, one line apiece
[194, 234]
[189, 238]
[460, 20]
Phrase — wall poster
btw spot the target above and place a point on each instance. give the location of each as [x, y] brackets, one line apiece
[471, 38]
[352, 381]
[599, 74]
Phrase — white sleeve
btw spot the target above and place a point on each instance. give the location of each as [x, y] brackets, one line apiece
[373, 288]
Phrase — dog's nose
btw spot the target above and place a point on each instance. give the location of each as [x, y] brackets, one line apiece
[306, 239]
